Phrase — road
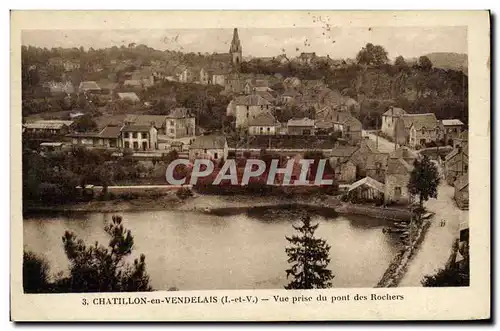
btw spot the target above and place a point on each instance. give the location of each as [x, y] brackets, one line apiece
[384, 145]
[437, 245]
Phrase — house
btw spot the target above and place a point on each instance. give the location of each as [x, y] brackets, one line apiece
[369, 161]
[252, 85]
[108, 137]
[51, 146]
[289, 96]
[266, 95]
[180, 124]
[60, 87]
[139, 137]
[306, 58]
[397, 177]
[213, 147]
[89, 86]
[345, 172]
[291, 83]
[349, 127]
[204, 77]
[451, 129]
[389, 119]
[404, 153]
[160, 121]
[366, 189]
[456, 163]
[71, 65]
[263, 124]
[49, 127]
[303, 126]
[185, 74]
[461, 139]
[461, 195]
[130, 96]
[423, 129]
[249, 107]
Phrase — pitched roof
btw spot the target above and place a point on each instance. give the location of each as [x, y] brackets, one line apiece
[398, 166]
[300, 122]
[266, 95]
[49, 125]
[88, 85]
[179, 112]
[128, 95]
[136, 128]
[457, 151]
[462, 181]
[132, 82]
[403, 152]
[251, 100]
[290, 93]
[110, 132]
[209, 142]
[394, 111]
[158, 120]
[263, 119]
[343, 151]
[452, 122]
[368, 181]
[419, 121]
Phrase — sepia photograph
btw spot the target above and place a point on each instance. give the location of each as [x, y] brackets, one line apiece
[326, 156]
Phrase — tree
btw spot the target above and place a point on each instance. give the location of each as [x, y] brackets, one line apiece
[35, 273]
[309, 257]
[372, 55]
[85, 123]
[401, 64]
[424, 63]
[96, 268]
[424, 180]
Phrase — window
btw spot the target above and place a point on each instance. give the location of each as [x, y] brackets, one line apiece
[172, 123]
[397, 191]
[466, 167]
[172, 130]
[261, 130]
[127, 144]
[216, 156]
[136, 145]
[139, 135]
[205, 150]
[134, 135]
[348, 128]
[268, 129]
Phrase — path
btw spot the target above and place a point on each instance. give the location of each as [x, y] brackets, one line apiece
[384, 145]
[437, 245]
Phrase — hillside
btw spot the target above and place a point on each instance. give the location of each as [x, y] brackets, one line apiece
[453, 61]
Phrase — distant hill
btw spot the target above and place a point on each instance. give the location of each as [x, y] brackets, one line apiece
[455, 61]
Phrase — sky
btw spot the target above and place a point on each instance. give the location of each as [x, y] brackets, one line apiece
[337, 42]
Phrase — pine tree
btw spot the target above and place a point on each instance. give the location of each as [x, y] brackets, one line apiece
[424, 180]
[309, 257]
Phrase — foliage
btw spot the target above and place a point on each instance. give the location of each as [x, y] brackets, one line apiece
[96, 268]
[35, 273]
[85, 123]
[401, 64]
[424, 63]
[184, 193]
[372, 55]
[309, 258]
[424, 179]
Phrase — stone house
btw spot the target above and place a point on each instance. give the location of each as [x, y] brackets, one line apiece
[389, 119]
[48, 127]
[130, 96]
[456, 163]
[108, 137]
[249, 107]
[204, 77]
[213, 147]
[461, 195]
[345, 172]
[89, 86]
[263, 124]
[370, 161]
[185, 74]
[461, 139]
[180, 124]
[423, 128]
[397, 178]
[303, 126]
[452, 129]
[366, 189]
[160, 121]
[139, 137]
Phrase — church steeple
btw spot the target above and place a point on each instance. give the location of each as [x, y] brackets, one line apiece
[235, 50]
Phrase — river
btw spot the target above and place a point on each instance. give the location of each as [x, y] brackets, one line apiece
[194, 251]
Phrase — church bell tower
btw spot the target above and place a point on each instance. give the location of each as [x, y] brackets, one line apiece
[235, 50]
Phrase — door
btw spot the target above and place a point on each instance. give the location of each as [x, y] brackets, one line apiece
[144, 145]
[397, 193]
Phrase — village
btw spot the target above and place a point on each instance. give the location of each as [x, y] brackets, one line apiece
[372, 163]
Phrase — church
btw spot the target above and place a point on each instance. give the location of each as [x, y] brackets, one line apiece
[232, 59]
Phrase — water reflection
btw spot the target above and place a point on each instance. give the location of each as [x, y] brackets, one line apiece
[191, 250]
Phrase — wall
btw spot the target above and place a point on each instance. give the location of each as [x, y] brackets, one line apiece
[388, 124]
[256, 130]
[244, 113]
[200, 153]
[299, 130]
[393, 181]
